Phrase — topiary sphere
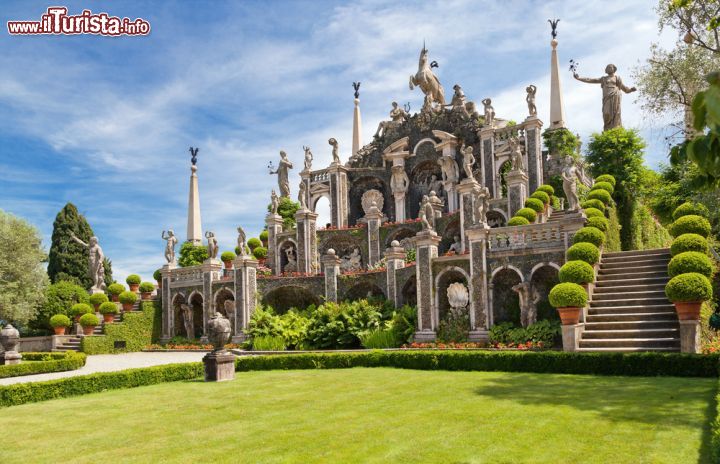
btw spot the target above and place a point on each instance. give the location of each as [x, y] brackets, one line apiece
[157, 275]
[568, 295]
[254, 243]
[602, 195]
[527, 213]
[264, 235]
[547, 189]
[227, 256]
[690, 287]
[81, 308]
[89, 320]
[594, 212]
[597, 204]
[689, 242]
[60, 320]
[127, 297]
[607, 186]
[98, 298]
[116, 288]
[542, 196]
[146, 287]
[691, 224]
[599, 223]
[690, 261]
[590, 235]
[518, 221]
[260, 252]
[108, 308]
[583, 251]
[535, 205]
[577, 272]
[606, 178]
[688, 208]
[133, 279]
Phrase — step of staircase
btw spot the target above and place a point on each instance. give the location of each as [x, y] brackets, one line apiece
[631, 288]
[636, 253]
[630, 309]
[650, 342]
[620, 317]
[637, 333]
[644, 257]
[631, 269]
[71, 344]
[640, 324]
[606, 281]
[660, 262]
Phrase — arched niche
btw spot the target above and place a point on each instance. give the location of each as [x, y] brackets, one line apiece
[364, 290]
[544, 277]
[290, 296]
[505, 302]
[360, 186]
[424, 177]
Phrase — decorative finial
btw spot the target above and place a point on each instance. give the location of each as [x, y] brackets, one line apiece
[193, 155]
[356, 86]
[553, 25]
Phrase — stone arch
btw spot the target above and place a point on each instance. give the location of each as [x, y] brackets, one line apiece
[400, 235]
[496, 218]
[364, 290]
[505, 302]
[502, 170]
[197, 302]
[421, 181]
[452, 230]
[408, 294]
[324, 211]
[221, 296]
[358, 188]
[421, 142]
[447, 276]
[177, 322]
[290, 296]
[543, 277]
[284, 245]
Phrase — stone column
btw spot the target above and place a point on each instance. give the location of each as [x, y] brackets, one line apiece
[690, 336]
[274, 224]
[374, 219]
[245, 288]
[397, 153]
[533, 149]
[487, 159]
[331, 268]
[448, 147]
[168, 312]
[479, 293]
[306, 241]
[338, 195]
[467, 212]
[395, 258]
[211, 271]
[452, 196]
[517, 182]
[426, 243]
[399, 206]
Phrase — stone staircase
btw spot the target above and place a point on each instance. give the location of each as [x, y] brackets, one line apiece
[629, 310]
[70, 344]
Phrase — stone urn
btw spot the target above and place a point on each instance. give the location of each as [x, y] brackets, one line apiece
[220, 363]
[219, 330]
[688, 310]
[458, 296]
[10, 339]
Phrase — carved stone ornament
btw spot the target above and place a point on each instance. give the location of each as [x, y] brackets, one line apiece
[372, 196]
[458, 296]
[218, 331]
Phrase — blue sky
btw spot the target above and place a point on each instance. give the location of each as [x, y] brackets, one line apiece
[106, 122]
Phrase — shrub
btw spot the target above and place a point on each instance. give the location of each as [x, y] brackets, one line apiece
[688, 287]
[254, 243]
[97, 298]
[60, 320]
[597, 204]
[578, 272]
[379, 339]
[227, 256]
[547, 332]
[568, 295]
[403, 324]
[268, 343]
[690, 208]
[518, 221]
[157, 275]
[264, 236]
[583, 251]
[59, 298]
[690, 261]
[116, 288]
[81, 308]
[133, 279]
[192, 255]
[89, 320]
[127, 297]
[108, 308]
[606, 178]
[147, 287]
[599, 223]
[590, 235]
[528, 214]
[137, 330]
[43, 363]
[689, 242]
[690, 224]
[260, 252]
[535, 205]
[547, 189]
[594, 212]
[607, 186]
[601, 195]
[542, 196]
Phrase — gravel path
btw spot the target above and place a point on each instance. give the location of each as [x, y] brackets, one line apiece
[112, 362]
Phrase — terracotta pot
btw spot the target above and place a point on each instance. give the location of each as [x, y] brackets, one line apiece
[115, 298]
[688, 310]
[127, 307]
[88, 330]
[97, 307]
[228, 264]
[134, 287]
[569, 316]
[146, 295]
[60, 330]
[261, 261]
[108, 318]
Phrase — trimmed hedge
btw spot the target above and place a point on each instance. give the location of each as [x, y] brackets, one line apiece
[133, 279]
[116, 288]
[97, 299]
[568, 294]
[128, 297]
[607, 186]
[260, 252]
[598, 223]
[527, 213]
[542, 196]
[60, 320]
[535, 204]
[688, 208]
[577, 272]
[690, 261]
[518, 221]
[602, 195]
[606, 178]
[583, 251]
[590, 235]
[109, 308]
[147, 287]
[547, 189]
[690, 287]
[689, 242]
[136, 330]
[597, 204]
[43, 363]
[594, 212]
[89, 320]
[81, 308]
[227, 256]
[690, 224]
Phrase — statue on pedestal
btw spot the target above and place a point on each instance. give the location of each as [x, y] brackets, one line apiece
[218, 331]
[302, 195]
[397, 117]
[229, 307]
[242, 252]
[489, 112]
[516, 157]
[449, 169]
[481, 202]
[428, 81]
[530, 99]
[274, 202]
[308, 158]
[427, 214]
[96, 262]
[569, 175]
[468, 161]
[456, 245]
[282, 172]
[336, 157]
[187, 316]
[212, 245]
[171, 241]
[611, 86]
[529, 298]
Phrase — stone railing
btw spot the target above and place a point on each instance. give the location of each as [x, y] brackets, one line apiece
[319, 176]
[505, 133]
[547, 235]
[185, 275]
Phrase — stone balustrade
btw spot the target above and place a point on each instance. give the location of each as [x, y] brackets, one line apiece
[547, 235]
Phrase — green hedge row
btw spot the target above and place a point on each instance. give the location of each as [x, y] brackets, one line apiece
[715, 430]
[42, 363]
[136, 330]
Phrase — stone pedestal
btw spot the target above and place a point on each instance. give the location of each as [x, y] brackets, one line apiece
[395, 259]
[245, 284]
[168, 314]
[211, 270]
[274, 223]
[426, 243]
[517, 182]
[480, 307]
[331, 269]
[338, 195]
[9, 340]
[306, 241]
[533, 149]
[219, 366]
[452, 196]
[690, 336]
[466, 191]
[374, 219]
[10, 357]
[571, 336]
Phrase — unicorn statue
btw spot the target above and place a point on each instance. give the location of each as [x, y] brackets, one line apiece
[428, 81]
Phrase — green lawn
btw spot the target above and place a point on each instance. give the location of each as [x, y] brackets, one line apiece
[377, 415]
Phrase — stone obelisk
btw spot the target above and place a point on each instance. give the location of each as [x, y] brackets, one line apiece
[557, 111]
[357, 123]
[194, 224]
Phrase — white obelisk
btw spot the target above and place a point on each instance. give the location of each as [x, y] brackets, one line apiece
[194, 225]
[357, 128]
[557, 111]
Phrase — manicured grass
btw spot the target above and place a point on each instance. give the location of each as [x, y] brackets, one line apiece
[378, 415]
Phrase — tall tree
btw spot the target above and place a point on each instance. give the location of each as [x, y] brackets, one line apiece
[68, 259]
[22, 277]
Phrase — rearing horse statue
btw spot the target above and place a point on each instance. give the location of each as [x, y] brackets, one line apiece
[427, 80]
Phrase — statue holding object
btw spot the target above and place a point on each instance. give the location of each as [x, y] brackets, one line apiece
[96, 262]
[611, 85]
[530, 99]
[282, 172]
[428, 81]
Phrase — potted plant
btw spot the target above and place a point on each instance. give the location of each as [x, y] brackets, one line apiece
[688, 292]
[115, 290]
[133, 280]
[157, 275]
[108, 310]
[227, 258]
[264, 237]
[260, 254]
[96, 299]
[577, 272]
[88, 323]
[128, 299]
[80, 309]
[146, 289]
[569, 299]
[59, 323]
[253, 243]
